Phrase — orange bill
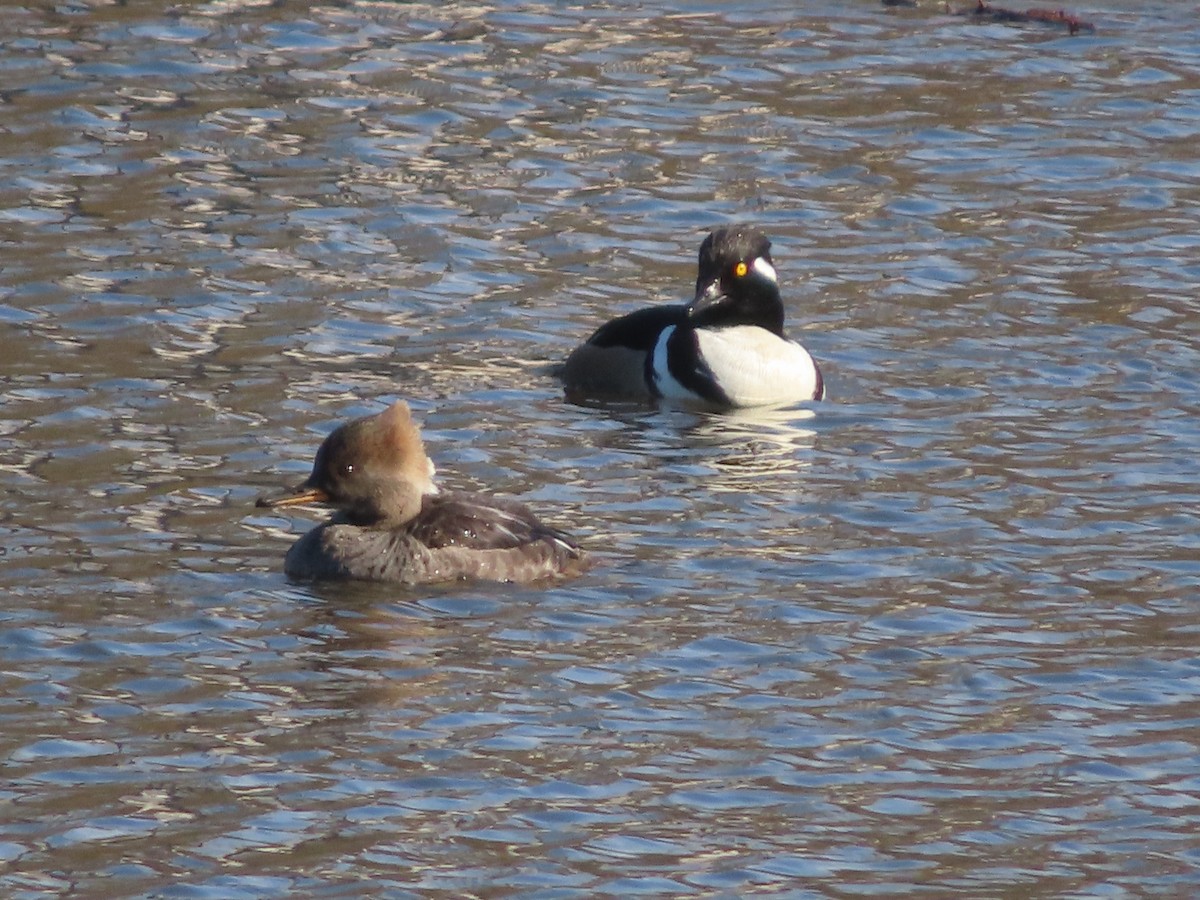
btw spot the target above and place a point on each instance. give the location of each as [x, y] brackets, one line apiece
[301, 496]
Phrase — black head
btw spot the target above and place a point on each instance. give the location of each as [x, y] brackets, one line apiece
[736, 284]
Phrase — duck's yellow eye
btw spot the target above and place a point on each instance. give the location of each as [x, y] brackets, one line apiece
[740, 270]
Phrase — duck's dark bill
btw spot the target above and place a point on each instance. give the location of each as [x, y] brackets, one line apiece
[300, 497]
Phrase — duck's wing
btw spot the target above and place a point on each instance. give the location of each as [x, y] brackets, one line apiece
[612, 362]
[638, 330]
[480, 522]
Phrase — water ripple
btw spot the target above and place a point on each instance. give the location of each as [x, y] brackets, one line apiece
[945, 621]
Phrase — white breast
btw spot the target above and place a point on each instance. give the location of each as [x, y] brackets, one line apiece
[757, 368]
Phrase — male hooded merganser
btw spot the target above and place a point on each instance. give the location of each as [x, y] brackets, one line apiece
[724, 349]
[393, 524]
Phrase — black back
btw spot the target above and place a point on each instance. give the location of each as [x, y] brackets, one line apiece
[639, 330]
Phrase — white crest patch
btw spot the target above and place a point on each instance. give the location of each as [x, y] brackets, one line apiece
[765, 269]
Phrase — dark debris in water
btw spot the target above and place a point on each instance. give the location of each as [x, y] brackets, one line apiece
[463, 31]
[983, 11]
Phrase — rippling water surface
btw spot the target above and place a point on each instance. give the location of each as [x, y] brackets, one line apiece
[934, 637]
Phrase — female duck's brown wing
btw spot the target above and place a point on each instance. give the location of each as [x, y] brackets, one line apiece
[479, 522]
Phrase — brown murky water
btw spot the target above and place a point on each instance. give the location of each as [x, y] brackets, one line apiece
[935, 637]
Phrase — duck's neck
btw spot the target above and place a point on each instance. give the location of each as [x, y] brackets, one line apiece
[388, 505]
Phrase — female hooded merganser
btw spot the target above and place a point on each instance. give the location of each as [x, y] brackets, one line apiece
[393, 524]
[724, 349]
